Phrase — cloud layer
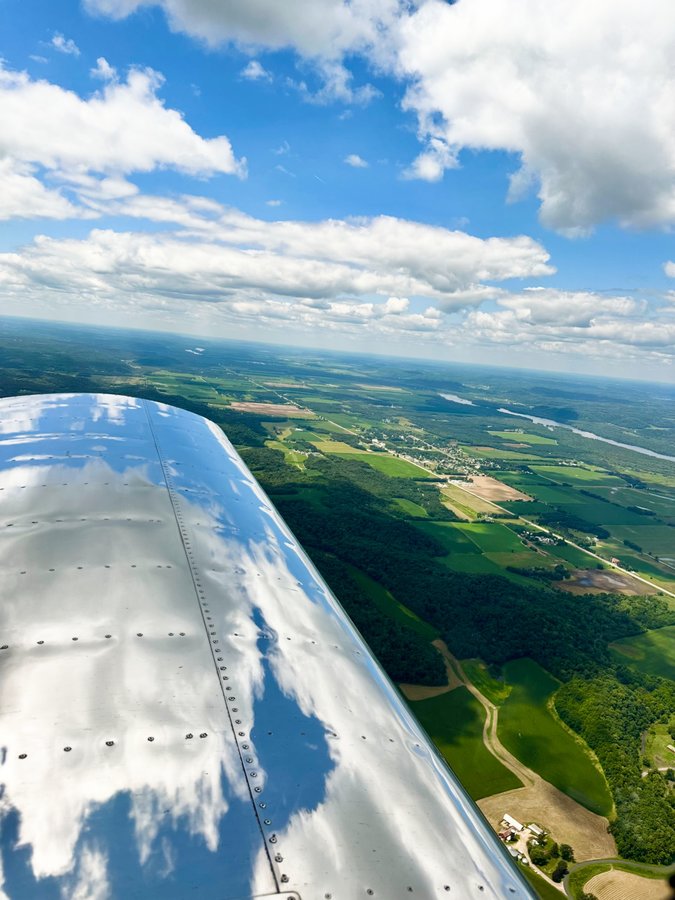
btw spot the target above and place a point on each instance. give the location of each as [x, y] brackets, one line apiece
[57, 150]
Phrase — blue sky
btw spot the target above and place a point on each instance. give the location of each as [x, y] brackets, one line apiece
[118, 113]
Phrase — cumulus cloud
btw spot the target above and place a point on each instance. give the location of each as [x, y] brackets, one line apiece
[103, 70]
[580, 93]
[383, 275]
[255, 71]
[581, 322]
[65, 45]
[356, 161]
[54, 143]
[314, 28]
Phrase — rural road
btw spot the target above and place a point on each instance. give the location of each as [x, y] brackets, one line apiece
[665, 871]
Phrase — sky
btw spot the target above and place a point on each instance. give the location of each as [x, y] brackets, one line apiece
[476, 181]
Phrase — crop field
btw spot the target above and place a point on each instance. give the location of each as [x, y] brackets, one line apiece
[335, 447]
[652, 652]
[391, 607]
[467, 503]
[496, 453]
[390, 465]
[491, 537]
[495, 689]
[411, 508]
[454, 721]
[656, 539]
[523, 437]
[582, 476]
[529, 730]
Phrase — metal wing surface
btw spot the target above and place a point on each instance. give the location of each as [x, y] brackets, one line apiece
[185, 708]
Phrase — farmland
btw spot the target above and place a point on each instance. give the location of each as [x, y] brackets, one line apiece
[416, 511]
[455, 722]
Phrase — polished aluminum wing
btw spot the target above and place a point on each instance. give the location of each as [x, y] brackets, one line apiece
[185, 708]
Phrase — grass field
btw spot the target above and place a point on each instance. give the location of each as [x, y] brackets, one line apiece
[528, 729]
[496, 453]
[335, 447]
[411, 508]
[494, 689]
[543, 888]
[391, 607]
[584, 477]
[465, 502]
[390, 465]
[523, 437]
[454, 721]
[657, 746]
[652, 652]
[657, 539]
[491, 537]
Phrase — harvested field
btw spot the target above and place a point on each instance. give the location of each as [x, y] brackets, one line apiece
[274, 409]
[568, 822]
[491, 489]
[424, 692]
[594, 581]
[616, 885]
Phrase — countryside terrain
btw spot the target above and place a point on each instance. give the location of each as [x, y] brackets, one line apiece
[515, 578]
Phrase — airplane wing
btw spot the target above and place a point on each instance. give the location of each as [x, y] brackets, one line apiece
[185, 708]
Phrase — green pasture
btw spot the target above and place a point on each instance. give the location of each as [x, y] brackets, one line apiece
[389, 465]
[530, 731]
[452, 538]
[656, 539]
[652, 652]
[582, 476]
[491, 537]
[495, 453]
[454, 721]
[411, 508]
[524, 438]
[570, 554]
[338, 447]
[496, 690]
[657, 746]
[662, 504]
[388, 604]
[544, 890]
[292, 457]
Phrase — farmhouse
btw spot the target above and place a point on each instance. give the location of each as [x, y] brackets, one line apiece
[511, 822]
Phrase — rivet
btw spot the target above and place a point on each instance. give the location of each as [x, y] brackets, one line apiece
[279, 858]
[284, 878]
[370, 892]
[171, 634]
[244, 746]
[203, 734]
[73, 639]
[139, 634]
[67, 749]
[238, 722]
[249, 759]
[4, 647]
[189, 737]
[253, 774]
[182, 634]
[258, 789]
[108, 635]
[267, 821]
[109, 743]
[273, 839]
[40, 642]
[151, 738]
[262, 805]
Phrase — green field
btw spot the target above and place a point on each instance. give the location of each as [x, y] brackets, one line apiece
[384, 462]
[496, 690]
[336, 447]
[455, 723]
[496, 453]
[578, 475]
[656, 539]
[491, 537]
[467, 503]
[391, 607]
[652, 652]
[523, 437]
[411, 508]
[529, 730]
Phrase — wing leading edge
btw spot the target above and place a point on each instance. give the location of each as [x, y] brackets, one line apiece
[184, 705]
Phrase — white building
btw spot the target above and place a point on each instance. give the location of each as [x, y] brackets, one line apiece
[511, 822]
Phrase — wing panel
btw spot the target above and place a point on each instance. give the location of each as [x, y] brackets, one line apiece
[312, 776]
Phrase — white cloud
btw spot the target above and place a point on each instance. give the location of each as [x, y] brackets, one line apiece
[314, 28]
[254, 71]
[103, 70]
[356, 161]
[274, 202]
[65, 45]
[55, 145]
[582, 93]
